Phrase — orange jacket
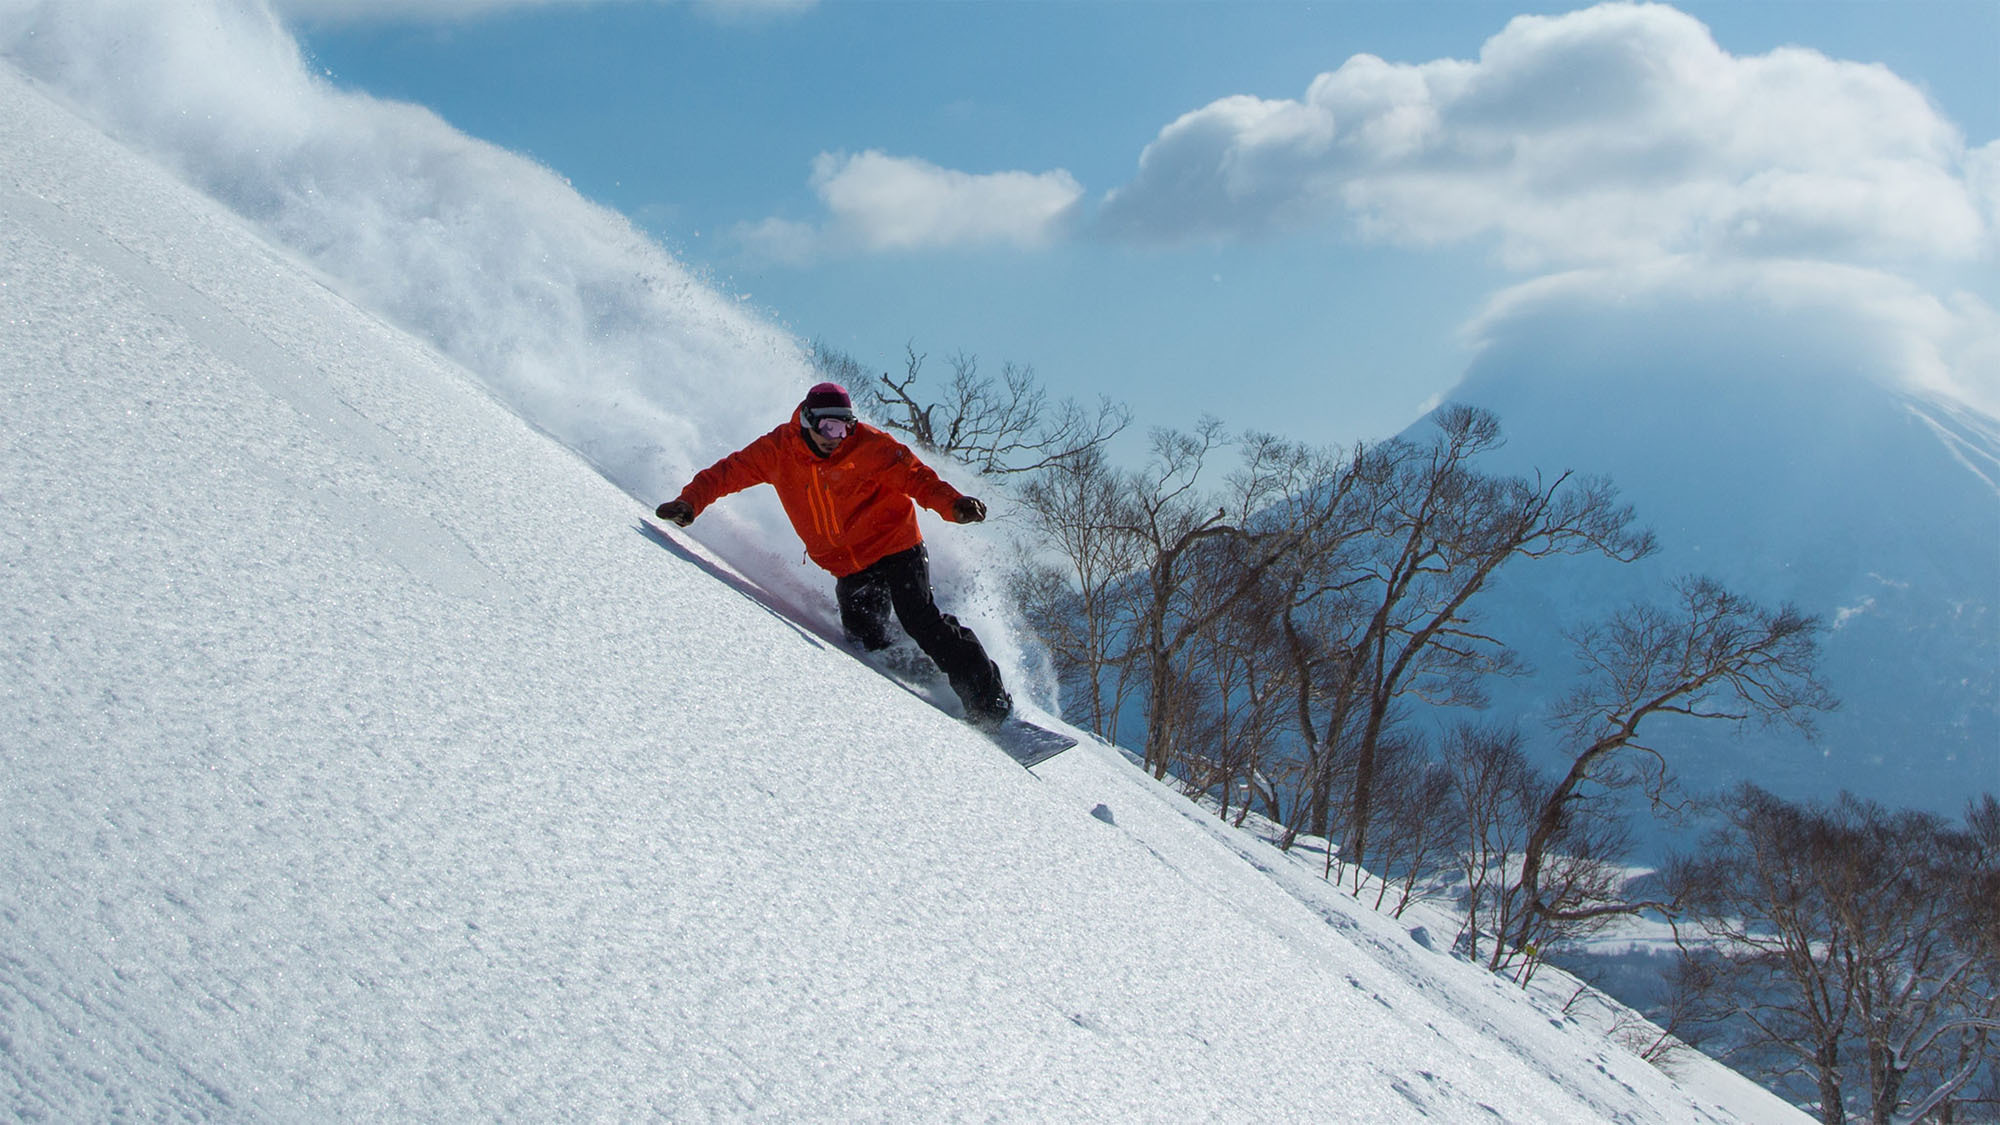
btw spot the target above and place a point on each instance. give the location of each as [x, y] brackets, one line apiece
[852, 508]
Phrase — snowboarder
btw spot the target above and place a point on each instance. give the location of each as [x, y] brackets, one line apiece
[848, 487]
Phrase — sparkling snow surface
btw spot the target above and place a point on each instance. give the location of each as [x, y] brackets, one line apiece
[361, 759]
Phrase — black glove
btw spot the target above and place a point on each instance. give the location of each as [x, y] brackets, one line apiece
[965, 509]
[680, 513]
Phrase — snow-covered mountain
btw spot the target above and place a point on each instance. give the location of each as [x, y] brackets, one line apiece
[1780, 451]
[362, 759]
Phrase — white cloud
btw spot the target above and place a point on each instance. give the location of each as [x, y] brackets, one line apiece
[878, 202]
[752, 11]
[1616, 133]
[781, 241]
[1982, 174]
[899, 203]
[369, 11]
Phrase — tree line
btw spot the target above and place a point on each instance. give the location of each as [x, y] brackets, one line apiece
[1847, 954]
[1276, 620]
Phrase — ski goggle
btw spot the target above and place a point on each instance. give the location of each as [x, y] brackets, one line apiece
[833, 426]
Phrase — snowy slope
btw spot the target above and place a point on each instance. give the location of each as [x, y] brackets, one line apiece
[361, 759]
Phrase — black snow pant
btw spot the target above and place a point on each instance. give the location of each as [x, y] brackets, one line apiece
[903, 582]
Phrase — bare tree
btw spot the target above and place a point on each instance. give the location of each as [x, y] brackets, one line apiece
[1401, 609]
[1977, 929]
[1166, 584]
[998, 427]
[1079, 586]
[1272, 514]
[1922, 966]
[1234, 708]
[1712, 655]
[1500, 793]
[1851, 947]
[1495, 788]
[836, 366]
[1420, 824]
[1168, 516]
[1583, 873]
[1751, 894]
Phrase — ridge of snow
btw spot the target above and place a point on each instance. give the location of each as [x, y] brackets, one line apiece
[1972, 438]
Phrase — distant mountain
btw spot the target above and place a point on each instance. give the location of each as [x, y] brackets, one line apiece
[1873, 507]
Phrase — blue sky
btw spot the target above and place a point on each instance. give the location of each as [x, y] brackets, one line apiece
[1007, 178]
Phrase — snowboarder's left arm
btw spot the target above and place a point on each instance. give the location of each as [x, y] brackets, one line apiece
[910, 476]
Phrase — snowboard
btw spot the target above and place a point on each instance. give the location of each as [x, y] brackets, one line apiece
[1023, 741]
[1027, 743]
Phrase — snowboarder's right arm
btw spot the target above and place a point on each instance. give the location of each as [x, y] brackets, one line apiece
[749, 466]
